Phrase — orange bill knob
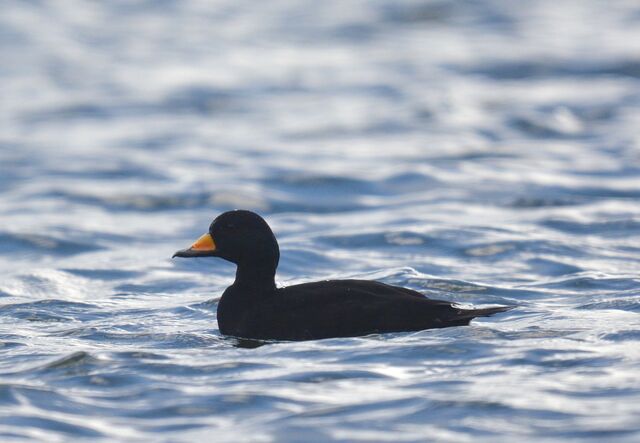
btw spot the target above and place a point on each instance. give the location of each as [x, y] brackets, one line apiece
[204, 243]
[202, 247]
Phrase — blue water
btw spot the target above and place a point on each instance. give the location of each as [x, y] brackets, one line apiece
[486, 152]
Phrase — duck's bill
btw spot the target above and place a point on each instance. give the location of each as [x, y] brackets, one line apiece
[202, 247]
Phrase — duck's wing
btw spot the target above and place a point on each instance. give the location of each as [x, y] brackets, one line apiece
[362, 293]
[342, 308]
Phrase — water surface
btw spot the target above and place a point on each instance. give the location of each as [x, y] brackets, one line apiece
[482, 152]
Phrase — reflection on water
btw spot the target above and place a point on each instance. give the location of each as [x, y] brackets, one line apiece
[483, 152]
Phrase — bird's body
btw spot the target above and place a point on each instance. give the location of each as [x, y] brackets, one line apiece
[253, 307]
[334, 308]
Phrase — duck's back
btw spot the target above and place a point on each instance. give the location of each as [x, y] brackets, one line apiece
[347, 308]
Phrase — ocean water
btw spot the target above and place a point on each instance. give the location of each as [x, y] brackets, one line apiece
[486, 152]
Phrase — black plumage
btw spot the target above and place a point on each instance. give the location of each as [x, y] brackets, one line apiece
[253, 307]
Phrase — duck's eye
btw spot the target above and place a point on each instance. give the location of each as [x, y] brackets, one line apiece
[230, 226]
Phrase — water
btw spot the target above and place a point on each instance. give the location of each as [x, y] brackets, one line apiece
[484, 152]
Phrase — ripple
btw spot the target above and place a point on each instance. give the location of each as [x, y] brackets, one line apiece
[71, 360]
[32, 243]
[544, 202]
[593, 283]
[327, 376]
[540, 69]
[381, 239]
[152, 203]
[51, 311]
[233, 369]
[19, 421]
[552, 268]
[631, 304]
[622, 336]
[554, 359]
[560, 123]
[610, 228]
[103, 274]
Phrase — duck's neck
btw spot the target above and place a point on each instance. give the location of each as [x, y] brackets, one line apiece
[260, 278]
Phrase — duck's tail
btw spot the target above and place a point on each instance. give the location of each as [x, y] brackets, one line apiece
[486, 312]
[464, 316]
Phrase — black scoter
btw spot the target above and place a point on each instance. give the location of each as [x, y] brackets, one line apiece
[254, 308]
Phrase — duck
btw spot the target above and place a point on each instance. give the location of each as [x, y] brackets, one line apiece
[255, 308]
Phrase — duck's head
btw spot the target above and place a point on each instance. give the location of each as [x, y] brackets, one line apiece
[241, 237]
